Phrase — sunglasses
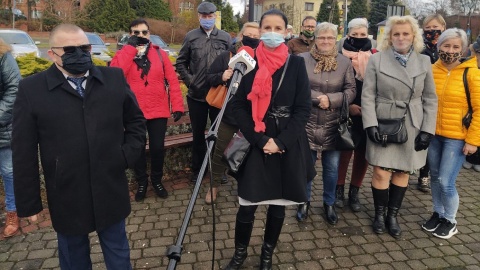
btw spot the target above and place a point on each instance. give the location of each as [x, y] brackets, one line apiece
[137, 32]
[71, 49]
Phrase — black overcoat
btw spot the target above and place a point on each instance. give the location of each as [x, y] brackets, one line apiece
[277, 176]
[85, 146]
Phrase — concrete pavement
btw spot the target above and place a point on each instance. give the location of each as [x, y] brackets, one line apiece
[314, 244]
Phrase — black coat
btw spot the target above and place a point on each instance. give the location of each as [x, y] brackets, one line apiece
[85, 147]
[9, 78]
[285, 176]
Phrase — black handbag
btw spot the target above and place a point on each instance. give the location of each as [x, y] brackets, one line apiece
[345, 140]
[393, 130]
[236, 152]
[467, 119]
[238, 148]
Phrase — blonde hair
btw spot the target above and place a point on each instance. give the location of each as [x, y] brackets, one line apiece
[386, 43]
[4, 47]
[247, 25]
[437, 17]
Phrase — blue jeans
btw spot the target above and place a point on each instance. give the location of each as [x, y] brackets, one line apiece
[330, 162]
[6, 169]
[445, 158]
[74, 250]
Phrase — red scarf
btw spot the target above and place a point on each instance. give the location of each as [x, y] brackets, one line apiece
[268, 63]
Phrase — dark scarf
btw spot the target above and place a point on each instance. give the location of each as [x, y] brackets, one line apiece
[352, 44]
[143, 63]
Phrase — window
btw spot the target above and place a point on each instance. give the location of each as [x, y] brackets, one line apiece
[308, 6]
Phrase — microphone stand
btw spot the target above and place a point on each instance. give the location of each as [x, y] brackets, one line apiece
[174, 252]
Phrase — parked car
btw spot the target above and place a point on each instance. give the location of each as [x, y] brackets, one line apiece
[20, 41]
[157, 40]
[99, 48]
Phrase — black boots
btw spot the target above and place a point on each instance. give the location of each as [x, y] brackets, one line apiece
[396, 195]
[392, 199]
[141, 190]
[273, 228]
[243, 231]
[353, 201]
[159, 189]
[330, 213]
[339, 196]
[302, 211]
[380, 200]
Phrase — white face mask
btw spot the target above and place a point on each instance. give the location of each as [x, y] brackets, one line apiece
[272, 39]
[288, 36]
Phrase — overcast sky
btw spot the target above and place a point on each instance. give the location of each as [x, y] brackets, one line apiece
[237, 6]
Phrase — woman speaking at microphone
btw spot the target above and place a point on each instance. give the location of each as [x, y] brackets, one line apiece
[220, 73]
[271, 106]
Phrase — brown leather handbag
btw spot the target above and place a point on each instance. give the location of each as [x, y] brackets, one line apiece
[216, 95]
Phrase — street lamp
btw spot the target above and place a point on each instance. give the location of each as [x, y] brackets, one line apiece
[345, 22]
[13, 13]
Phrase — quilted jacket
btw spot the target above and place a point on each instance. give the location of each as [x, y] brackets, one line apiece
[452, 101]
[9, 78]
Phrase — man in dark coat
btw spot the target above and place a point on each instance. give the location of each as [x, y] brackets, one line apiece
[200, 47]
[89, 129]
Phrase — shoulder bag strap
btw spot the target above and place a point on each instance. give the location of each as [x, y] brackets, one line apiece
[281, 79]
[467, 91]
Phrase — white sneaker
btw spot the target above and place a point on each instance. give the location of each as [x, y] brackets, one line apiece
[467, 165]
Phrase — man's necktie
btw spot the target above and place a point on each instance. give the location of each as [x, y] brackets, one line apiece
[78, 82]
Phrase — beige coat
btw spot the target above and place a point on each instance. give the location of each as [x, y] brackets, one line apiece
[386, 89]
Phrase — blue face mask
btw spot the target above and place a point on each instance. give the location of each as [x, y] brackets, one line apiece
[272, 39]
[207, 24]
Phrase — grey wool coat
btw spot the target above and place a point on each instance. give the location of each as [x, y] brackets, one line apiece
[386, 89]
[322, 126]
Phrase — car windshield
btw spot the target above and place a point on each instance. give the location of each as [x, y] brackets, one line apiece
[158, 41]
[16, 38]
[94, 39]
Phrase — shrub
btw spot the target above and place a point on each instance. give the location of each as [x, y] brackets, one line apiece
[30, 64]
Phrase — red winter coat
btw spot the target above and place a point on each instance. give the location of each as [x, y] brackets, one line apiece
[152, 98]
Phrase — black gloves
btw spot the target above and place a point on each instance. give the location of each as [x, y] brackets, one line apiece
[176, 116]
[135, 41]
[373, 135]
[422, 141]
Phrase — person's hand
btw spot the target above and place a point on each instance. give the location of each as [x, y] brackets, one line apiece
[324, 102]
[469, 149]
[33, 218]
[422, 141]
[227, 74]
[355, 110]
[271, 147]
[133, 40]
[373, 135]
[176, 116]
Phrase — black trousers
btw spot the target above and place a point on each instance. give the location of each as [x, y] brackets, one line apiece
[156, 129]
[199, 113]
[247, 213]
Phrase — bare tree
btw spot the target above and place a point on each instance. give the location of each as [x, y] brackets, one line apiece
[422, 8]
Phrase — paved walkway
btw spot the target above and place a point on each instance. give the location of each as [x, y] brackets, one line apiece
[351, 244]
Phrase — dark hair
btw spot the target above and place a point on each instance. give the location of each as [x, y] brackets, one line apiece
[275, 12]
[138, 22]
[308, 18]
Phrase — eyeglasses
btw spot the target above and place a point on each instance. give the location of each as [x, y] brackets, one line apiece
[71, 49]
[137, 32]
[326, 38]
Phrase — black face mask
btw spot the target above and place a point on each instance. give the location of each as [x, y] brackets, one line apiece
[250, 42]
[358, 43]
[77, 62]
[432, 36]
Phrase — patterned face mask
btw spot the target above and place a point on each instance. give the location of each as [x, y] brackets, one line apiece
[432, 35]
[448, 57]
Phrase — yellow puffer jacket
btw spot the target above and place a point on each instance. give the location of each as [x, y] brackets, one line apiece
[452, 101]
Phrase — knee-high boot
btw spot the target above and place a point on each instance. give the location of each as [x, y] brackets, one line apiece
[243, 231]
[396, 196]
[273, 229]
[380, 200]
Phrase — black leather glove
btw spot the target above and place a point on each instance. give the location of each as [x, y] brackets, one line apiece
[176, 116]
[422, 141]
[373, 135]
[133, 40]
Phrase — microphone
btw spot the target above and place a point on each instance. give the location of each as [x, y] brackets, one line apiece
[241, 63]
